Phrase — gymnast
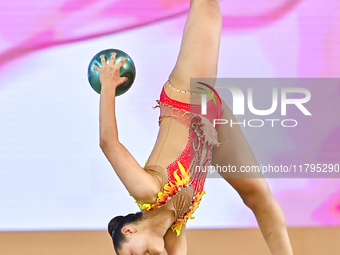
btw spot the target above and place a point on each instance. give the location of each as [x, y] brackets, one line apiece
[167, 189]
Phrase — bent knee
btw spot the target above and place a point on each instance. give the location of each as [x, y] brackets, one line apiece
[255, 195]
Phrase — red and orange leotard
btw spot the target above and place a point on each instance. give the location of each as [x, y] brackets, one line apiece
[183, 149]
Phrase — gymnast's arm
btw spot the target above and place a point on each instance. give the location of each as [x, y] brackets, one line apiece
[175, 245]
[141, 185]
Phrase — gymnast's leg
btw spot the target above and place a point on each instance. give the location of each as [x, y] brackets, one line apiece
[252, 188]
[198, 56]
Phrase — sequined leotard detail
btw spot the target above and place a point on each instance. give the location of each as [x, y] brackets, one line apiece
[183, 148]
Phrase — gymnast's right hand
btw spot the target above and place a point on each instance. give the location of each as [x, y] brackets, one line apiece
[109, 74]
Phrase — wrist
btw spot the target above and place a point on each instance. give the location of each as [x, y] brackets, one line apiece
[108, 90]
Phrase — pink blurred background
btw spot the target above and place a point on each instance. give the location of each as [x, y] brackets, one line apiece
[53, 174]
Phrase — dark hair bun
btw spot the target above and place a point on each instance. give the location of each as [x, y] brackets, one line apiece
[113, 223]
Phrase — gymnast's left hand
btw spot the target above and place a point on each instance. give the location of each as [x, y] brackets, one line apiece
[109, 74]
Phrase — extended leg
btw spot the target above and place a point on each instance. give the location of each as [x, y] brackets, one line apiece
[198, 57]
[253, 189]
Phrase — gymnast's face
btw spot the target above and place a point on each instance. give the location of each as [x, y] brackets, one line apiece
[140, 242]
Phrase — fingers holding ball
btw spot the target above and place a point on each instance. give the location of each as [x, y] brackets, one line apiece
[111, 57]
[103, 60]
